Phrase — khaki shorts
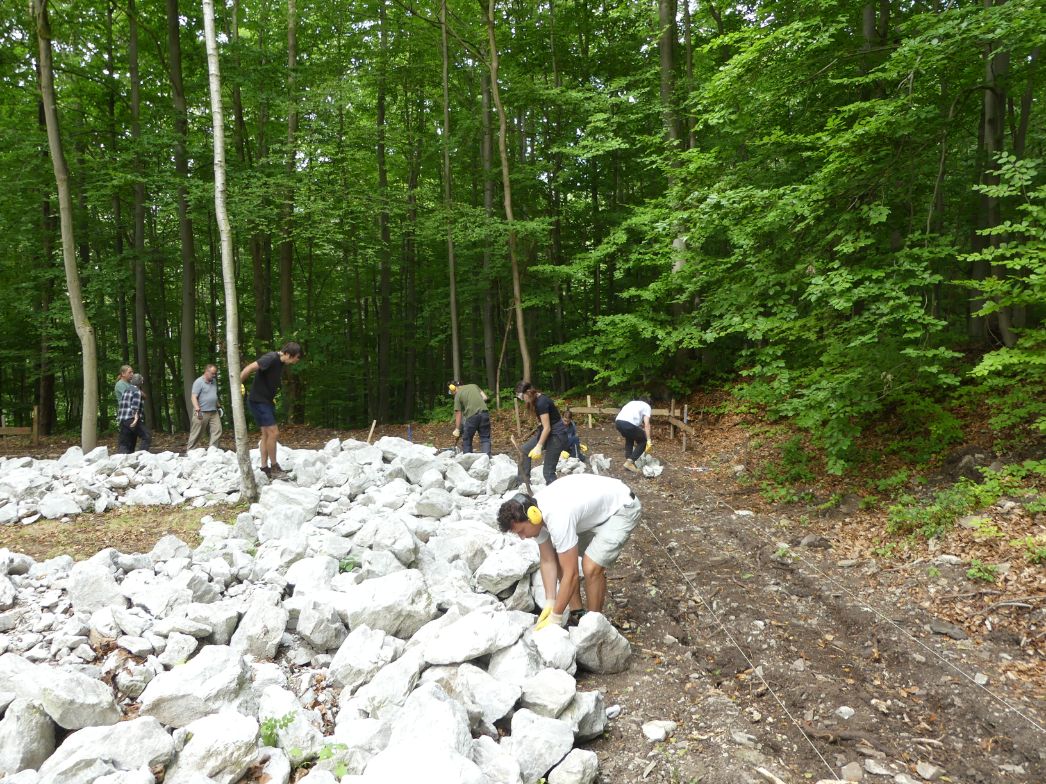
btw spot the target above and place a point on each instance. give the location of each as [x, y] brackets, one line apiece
[604, 543]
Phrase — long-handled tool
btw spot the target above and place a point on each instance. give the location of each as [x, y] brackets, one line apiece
[519, 465]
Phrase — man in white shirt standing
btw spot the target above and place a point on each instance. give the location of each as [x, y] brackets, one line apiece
[580, 514]
[633, 422]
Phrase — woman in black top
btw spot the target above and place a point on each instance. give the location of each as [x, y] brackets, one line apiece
[547, 442]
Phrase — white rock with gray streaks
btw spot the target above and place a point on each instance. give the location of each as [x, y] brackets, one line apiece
[71, 699]
[261, 628]
[320, 626]
[494, 761]
[297, 730]
[92, 586]
[549, 692]
[57, 505]
[476, 634]
[363, 652]
[386, 531]
[221, 746]
[129, 745]
[26, 737]
[505, 567]
[586, 714]
[398, 604]
[580, 766]
[600, 647]
[209, 681]
[538, 743]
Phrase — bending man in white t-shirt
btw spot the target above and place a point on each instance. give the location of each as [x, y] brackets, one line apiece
[633, 422]
[581, 514]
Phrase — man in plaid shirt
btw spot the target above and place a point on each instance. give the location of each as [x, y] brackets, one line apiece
[129, 416]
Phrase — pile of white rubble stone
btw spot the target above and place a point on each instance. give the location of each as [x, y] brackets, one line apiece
[368, 623]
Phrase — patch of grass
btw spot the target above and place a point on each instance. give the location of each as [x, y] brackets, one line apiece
[130, 529]
[1034, 548]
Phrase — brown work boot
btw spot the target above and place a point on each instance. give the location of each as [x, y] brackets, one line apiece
[631, 466]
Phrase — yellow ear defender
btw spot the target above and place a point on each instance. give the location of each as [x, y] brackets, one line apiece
[530, 506]
[452, 388]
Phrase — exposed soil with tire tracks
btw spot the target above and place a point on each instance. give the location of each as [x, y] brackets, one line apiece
[774, 668]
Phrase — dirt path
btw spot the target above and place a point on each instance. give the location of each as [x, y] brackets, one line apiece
[705, 593]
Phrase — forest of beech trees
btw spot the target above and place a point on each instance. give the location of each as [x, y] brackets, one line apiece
[837, 210]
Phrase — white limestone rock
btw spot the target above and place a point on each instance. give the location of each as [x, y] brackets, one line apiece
[516, 663]
[555, 648]
[502, 476]
[579, 767]
[600, 647]
[262, 626]
[586, 714]
[178, 649]
[485, 698]
[220, 746]
[361, 655]
[416, 465]
[538, 743]
[149, 495]
[92, 586]
[388, 532]
[313, 573]
[398, 604]
[279, 493]
[363, 738]
[434, 502]
[321, 626]
[461, 483]
[55, 506]
[549, 692]
[494, 761]
[205, 684]
[129, 745]
[477, 634]
[26, 737]
[503, 568]
[297, 730]
[71, 699]
[390, 685]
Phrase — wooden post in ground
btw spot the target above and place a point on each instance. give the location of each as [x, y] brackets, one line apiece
[371, 433]
[36, 426]
[686, 418]
[588, 403]
[671, 413]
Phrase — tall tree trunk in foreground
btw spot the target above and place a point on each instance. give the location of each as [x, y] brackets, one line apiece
[381, 401]
[517, 293]
[490, 357]
[142, 354]
[248, 487]
[89, 414]
[287, 208]
[181, 167]
[455, 341]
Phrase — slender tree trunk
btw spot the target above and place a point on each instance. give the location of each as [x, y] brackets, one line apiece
[381, 410]
[89, 364]
[45, 397]
[185, 230]
[141, 346]
[996, 65]
[248, 487]
[287, 208]
[410, 259]
[517, 292]
[489, 294]
[448, 204]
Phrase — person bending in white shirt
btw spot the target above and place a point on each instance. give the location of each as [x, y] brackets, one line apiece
[581, 514]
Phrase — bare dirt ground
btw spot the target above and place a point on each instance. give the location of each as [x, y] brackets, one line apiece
[778, 661]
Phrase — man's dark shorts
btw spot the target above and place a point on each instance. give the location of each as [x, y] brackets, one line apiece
[264, 413]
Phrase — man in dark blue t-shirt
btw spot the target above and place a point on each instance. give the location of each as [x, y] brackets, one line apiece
[269, 369]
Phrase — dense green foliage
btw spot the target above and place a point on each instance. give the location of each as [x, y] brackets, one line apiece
[843, 207]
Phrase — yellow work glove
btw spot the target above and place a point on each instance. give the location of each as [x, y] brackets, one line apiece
[564, 455]
[553, 619]
[455, 432]
[546, 612]
[584, 449]
[243, 390]
[649, 446]
[535, 453]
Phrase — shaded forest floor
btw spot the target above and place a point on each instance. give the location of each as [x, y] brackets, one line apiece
[762, 611]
